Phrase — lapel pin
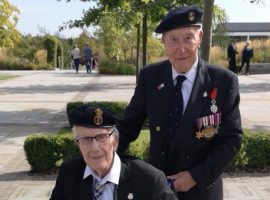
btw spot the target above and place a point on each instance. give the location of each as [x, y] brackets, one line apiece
[161, 86]
[130, 196]
[205, 94]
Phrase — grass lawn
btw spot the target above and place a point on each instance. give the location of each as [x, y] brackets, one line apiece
[6, 76]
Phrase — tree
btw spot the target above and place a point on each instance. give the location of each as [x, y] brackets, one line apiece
[8, 21]
[207, 29]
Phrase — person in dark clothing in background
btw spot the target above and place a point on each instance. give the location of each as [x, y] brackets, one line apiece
[231, 53]
[247, 54]
[88, 54]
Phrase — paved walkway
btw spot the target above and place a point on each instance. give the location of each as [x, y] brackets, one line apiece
[35, 101]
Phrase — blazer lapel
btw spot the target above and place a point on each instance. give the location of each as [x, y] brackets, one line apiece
[196, 104]
[124, 187]
[165, 78]
[84, 185]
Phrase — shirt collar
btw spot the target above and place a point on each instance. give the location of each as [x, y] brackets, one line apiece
[113, 175]
[191, 74]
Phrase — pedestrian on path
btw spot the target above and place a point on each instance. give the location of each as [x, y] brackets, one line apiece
[247, 54]
[88, 54]
[76, 57]
[192, 108]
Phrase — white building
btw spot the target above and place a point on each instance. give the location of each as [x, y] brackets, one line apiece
[247, 31]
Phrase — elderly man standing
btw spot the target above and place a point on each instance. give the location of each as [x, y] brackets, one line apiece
[193, 111]
[101, 174]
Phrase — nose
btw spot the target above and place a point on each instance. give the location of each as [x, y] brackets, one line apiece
[94, 144]
[181, 47]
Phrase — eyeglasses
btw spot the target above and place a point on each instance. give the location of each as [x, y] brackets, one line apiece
[100, 139]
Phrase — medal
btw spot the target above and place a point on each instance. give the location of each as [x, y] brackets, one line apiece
[208, 125]
[199, 135]
[209, 132]
[206, 133]
[213, 96]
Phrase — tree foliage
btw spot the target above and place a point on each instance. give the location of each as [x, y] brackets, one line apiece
[26, 47]
[50, 44]
[8, 21]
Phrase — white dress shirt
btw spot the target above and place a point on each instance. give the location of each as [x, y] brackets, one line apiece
[188, 83]
[112, 177]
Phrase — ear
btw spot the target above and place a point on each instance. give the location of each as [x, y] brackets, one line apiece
[201, 35]
[163, 38]
[115, 143]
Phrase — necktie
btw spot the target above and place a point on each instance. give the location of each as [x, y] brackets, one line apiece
[177, 107]
[98, 190]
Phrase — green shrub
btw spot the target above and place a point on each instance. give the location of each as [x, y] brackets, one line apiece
[11, 63]
[116, 68]
[50, 44]
[116, 107]
[42, 152]
[139, 150]
[254, 153]
[45, 152]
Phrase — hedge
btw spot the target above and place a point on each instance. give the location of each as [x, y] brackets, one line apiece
[45, 152]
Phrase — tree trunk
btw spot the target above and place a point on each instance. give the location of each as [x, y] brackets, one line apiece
[144, 39]
[207, 29]
[138, 51]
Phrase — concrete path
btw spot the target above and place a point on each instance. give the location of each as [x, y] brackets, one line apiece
[35, 101]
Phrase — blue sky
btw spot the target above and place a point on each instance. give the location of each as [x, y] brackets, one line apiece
[50, 14]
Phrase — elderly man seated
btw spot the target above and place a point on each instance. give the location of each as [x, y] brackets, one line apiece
[101, 174]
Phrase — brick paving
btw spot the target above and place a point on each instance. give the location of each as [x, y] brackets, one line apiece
[34, 103]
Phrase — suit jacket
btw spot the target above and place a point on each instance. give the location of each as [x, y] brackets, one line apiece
[205, 159]
[137, 177]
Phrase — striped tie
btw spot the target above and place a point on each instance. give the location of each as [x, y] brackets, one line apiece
[98, 190]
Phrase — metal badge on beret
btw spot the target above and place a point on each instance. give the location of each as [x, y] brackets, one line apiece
[191, 16]
[98, 119]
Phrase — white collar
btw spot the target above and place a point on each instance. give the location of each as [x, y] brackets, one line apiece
[113, 175]
[190, 75]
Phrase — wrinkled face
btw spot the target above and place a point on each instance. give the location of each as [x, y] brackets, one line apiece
[97, 154]
[181, 45]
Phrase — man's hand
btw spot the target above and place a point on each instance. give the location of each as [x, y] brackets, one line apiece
[183, 181]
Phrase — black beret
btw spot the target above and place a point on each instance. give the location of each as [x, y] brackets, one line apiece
[93, 117]
[180, 17]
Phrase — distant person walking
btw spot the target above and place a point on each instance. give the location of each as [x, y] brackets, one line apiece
[76, 57]
[231, 53]
[247, 54]
[87, 53]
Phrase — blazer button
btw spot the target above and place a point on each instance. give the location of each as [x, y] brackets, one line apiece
[163, 153]
[187, 157]
[157, 128]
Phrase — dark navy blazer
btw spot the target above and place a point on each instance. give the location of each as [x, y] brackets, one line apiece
[205, 159]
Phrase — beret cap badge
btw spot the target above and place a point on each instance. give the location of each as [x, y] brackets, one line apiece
[98, 119]
[191, 16]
